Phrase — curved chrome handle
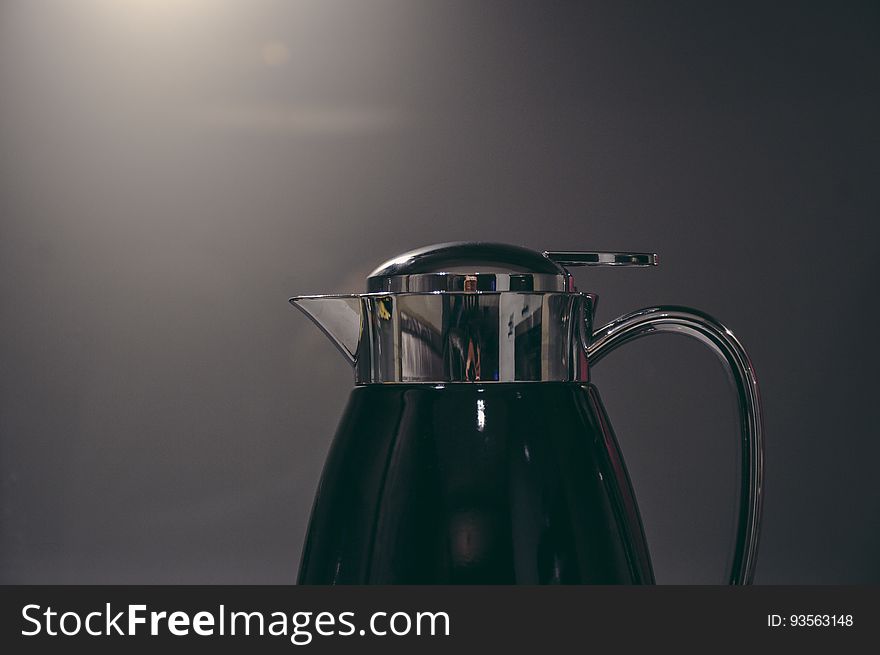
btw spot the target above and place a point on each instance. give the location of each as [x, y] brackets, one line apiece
[704, 328]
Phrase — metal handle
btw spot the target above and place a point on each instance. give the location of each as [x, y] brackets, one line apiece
[593, 258]
[704, 328]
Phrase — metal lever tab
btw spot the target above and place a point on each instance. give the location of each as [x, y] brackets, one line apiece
[583, 258]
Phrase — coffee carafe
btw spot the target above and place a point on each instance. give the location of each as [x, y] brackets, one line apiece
[474, 449]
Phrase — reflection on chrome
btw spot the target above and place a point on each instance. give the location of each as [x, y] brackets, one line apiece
[457, 336]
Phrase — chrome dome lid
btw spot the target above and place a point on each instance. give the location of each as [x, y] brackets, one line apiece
[469, 266]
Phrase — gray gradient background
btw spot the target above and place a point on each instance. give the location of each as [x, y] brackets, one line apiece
[171, 172]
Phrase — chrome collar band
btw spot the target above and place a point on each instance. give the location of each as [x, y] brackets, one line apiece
[449, 337]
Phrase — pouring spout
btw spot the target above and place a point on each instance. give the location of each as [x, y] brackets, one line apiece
[339, 317]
